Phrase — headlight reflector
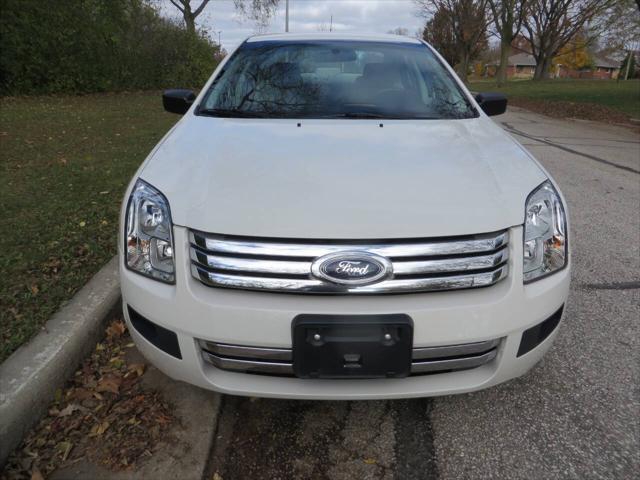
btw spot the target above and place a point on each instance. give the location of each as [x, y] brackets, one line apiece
[545, 235]
[149, 242]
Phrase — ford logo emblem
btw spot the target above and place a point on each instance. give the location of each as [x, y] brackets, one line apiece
[352, 268]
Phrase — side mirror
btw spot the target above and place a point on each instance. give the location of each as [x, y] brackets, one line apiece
[492, 103]
[178, 100]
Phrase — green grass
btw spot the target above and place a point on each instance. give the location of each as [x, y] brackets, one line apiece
[623, 96]
[64, 165]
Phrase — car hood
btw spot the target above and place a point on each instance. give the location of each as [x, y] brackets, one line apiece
[342, 179]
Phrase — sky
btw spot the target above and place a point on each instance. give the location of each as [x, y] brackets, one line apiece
[354, 16]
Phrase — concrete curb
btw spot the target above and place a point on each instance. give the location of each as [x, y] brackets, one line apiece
[31, 375]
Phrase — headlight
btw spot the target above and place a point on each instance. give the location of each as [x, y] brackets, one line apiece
[149, 242]
[545, 233]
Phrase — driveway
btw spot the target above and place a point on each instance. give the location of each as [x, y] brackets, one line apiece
[576, 415]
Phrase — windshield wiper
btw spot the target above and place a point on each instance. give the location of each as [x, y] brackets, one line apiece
[380, 116]
[356, 115]
[230, 113]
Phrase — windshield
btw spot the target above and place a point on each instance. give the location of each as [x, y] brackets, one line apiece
[335, 79]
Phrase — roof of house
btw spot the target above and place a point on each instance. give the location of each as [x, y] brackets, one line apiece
[520, 59]
[603, 62]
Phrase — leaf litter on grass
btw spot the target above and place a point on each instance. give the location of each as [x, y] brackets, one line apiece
[104, 414]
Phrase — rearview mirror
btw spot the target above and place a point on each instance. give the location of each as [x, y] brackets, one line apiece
[178, 100]
[492, 103]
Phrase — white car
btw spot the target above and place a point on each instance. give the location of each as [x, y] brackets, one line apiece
[336, 217]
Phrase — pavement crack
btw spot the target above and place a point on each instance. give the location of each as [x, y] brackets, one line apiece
[511, 129]
[415, 456]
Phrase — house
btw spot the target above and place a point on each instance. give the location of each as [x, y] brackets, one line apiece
[521, 65]
[601, 68]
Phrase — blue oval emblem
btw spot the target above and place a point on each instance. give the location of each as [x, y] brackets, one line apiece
[351, 268]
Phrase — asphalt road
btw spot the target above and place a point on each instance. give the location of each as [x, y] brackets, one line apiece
[575, 415]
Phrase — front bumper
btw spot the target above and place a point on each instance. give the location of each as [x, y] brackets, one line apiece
[196, 312]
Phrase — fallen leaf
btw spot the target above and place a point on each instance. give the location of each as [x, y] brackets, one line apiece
[216, 476]
[34, 289]
[81, 394]
[35, 474]
[137, 367]
[116, 329]
[163, 419]
[99, 429]
[82, 224]
[117, 362]
[68, 410]
[370, 461]
[109, 383]
[64, 448]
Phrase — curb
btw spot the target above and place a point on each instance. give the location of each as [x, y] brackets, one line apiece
[32, 374]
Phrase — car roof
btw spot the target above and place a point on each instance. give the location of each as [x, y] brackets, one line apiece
[293, 37]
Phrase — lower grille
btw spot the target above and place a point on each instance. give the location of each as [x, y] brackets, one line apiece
[278, 361]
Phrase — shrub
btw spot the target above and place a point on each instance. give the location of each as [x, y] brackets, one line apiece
[81, 46]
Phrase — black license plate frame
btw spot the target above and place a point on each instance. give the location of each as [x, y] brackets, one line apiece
[352, 346]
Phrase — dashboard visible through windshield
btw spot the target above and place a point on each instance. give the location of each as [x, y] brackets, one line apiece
[335, 79]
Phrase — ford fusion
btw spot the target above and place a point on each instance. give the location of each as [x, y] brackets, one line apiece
[337, 217]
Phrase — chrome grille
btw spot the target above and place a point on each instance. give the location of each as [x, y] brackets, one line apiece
[279, 361]
[285, 265]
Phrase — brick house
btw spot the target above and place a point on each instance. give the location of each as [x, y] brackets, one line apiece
[602, 69]
[521, 65]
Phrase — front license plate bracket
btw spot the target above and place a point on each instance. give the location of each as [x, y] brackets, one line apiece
[352, 346]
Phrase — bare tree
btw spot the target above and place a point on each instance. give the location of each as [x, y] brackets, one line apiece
[508, 16]
[468, 21]
[551, 24]
[260, 11]
[188, 13]
[399, 31]
[623, 29]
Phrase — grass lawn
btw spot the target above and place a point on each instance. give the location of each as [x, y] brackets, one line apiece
[623, 96]
[64, 165]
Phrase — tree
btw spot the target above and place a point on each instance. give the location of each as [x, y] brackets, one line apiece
[260, 11]
[575, 54]
[508, 16]
[628, 67]
[467, 22]
[188, 13]
[551, 24]
[438, 32]
[623, 31]
[399, 31]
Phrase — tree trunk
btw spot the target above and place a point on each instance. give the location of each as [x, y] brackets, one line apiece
[543, 70]
[463, 67]
[190, 21]
[505, 50]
